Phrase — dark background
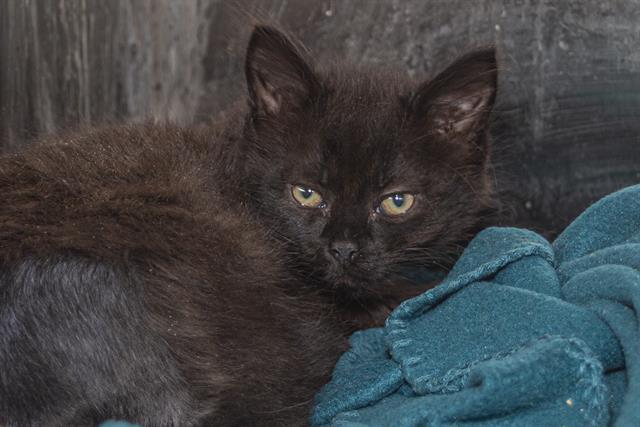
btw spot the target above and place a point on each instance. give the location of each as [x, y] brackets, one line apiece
[567, 127]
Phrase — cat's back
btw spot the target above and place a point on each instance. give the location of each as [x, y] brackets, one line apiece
[102, 189]
[103, 156]
[84, 217]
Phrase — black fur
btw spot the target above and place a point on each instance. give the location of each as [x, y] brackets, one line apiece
[132, 289]
[75, 348]
[135, 284]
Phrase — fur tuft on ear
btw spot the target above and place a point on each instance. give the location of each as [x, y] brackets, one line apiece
[278, 77]
[455, 106]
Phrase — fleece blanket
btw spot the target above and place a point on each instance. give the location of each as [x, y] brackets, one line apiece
[521, 332]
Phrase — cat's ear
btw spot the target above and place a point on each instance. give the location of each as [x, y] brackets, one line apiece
[455, 106]
[278, 77]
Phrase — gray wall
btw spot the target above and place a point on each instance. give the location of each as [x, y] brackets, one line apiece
[567, 128]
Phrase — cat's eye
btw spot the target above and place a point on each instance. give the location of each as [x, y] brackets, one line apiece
[307, 197]
[397, 204]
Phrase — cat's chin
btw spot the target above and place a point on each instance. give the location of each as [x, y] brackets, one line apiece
[351, 282]
[345, 281]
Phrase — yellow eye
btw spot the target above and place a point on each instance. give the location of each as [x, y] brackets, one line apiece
[307, 197]
[397, 204]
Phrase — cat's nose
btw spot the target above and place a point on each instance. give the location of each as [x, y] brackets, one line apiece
[343, 251]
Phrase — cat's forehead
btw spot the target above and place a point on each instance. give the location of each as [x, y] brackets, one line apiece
[358, 136]
[363, 99]
[352, 156]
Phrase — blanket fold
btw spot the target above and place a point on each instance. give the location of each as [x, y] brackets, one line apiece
[521, 332]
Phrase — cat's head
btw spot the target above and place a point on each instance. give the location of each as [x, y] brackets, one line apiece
[365, 173]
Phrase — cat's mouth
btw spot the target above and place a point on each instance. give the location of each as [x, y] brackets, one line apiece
[360, 274]
[351, 278]
[345, 280]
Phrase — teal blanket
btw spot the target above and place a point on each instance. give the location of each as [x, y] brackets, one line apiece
[520, 333]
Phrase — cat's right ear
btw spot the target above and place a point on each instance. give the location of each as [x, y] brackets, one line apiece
[278, 78]
[455, 106]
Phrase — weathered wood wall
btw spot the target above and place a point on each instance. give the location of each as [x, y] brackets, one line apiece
[83, 61]
[568, 124]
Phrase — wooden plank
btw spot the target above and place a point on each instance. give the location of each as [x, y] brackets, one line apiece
[66, 63]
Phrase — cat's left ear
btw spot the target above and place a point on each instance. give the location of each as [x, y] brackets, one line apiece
[278, 78]
[455, 106]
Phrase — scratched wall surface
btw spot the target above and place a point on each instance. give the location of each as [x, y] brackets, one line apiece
[64, 63]
[567, 126]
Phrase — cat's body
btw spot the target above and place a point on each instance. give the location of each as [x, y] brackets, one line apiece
[136, 285]
[131, 289]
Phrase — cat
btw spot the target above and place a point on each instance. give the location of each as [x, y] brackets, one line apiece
[132, 289]
[139, 272]
[365, 175]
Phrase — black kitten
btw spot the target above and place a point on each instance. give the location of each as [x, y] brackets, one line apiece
[366, 175]
[131, 289]
[133, 286]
